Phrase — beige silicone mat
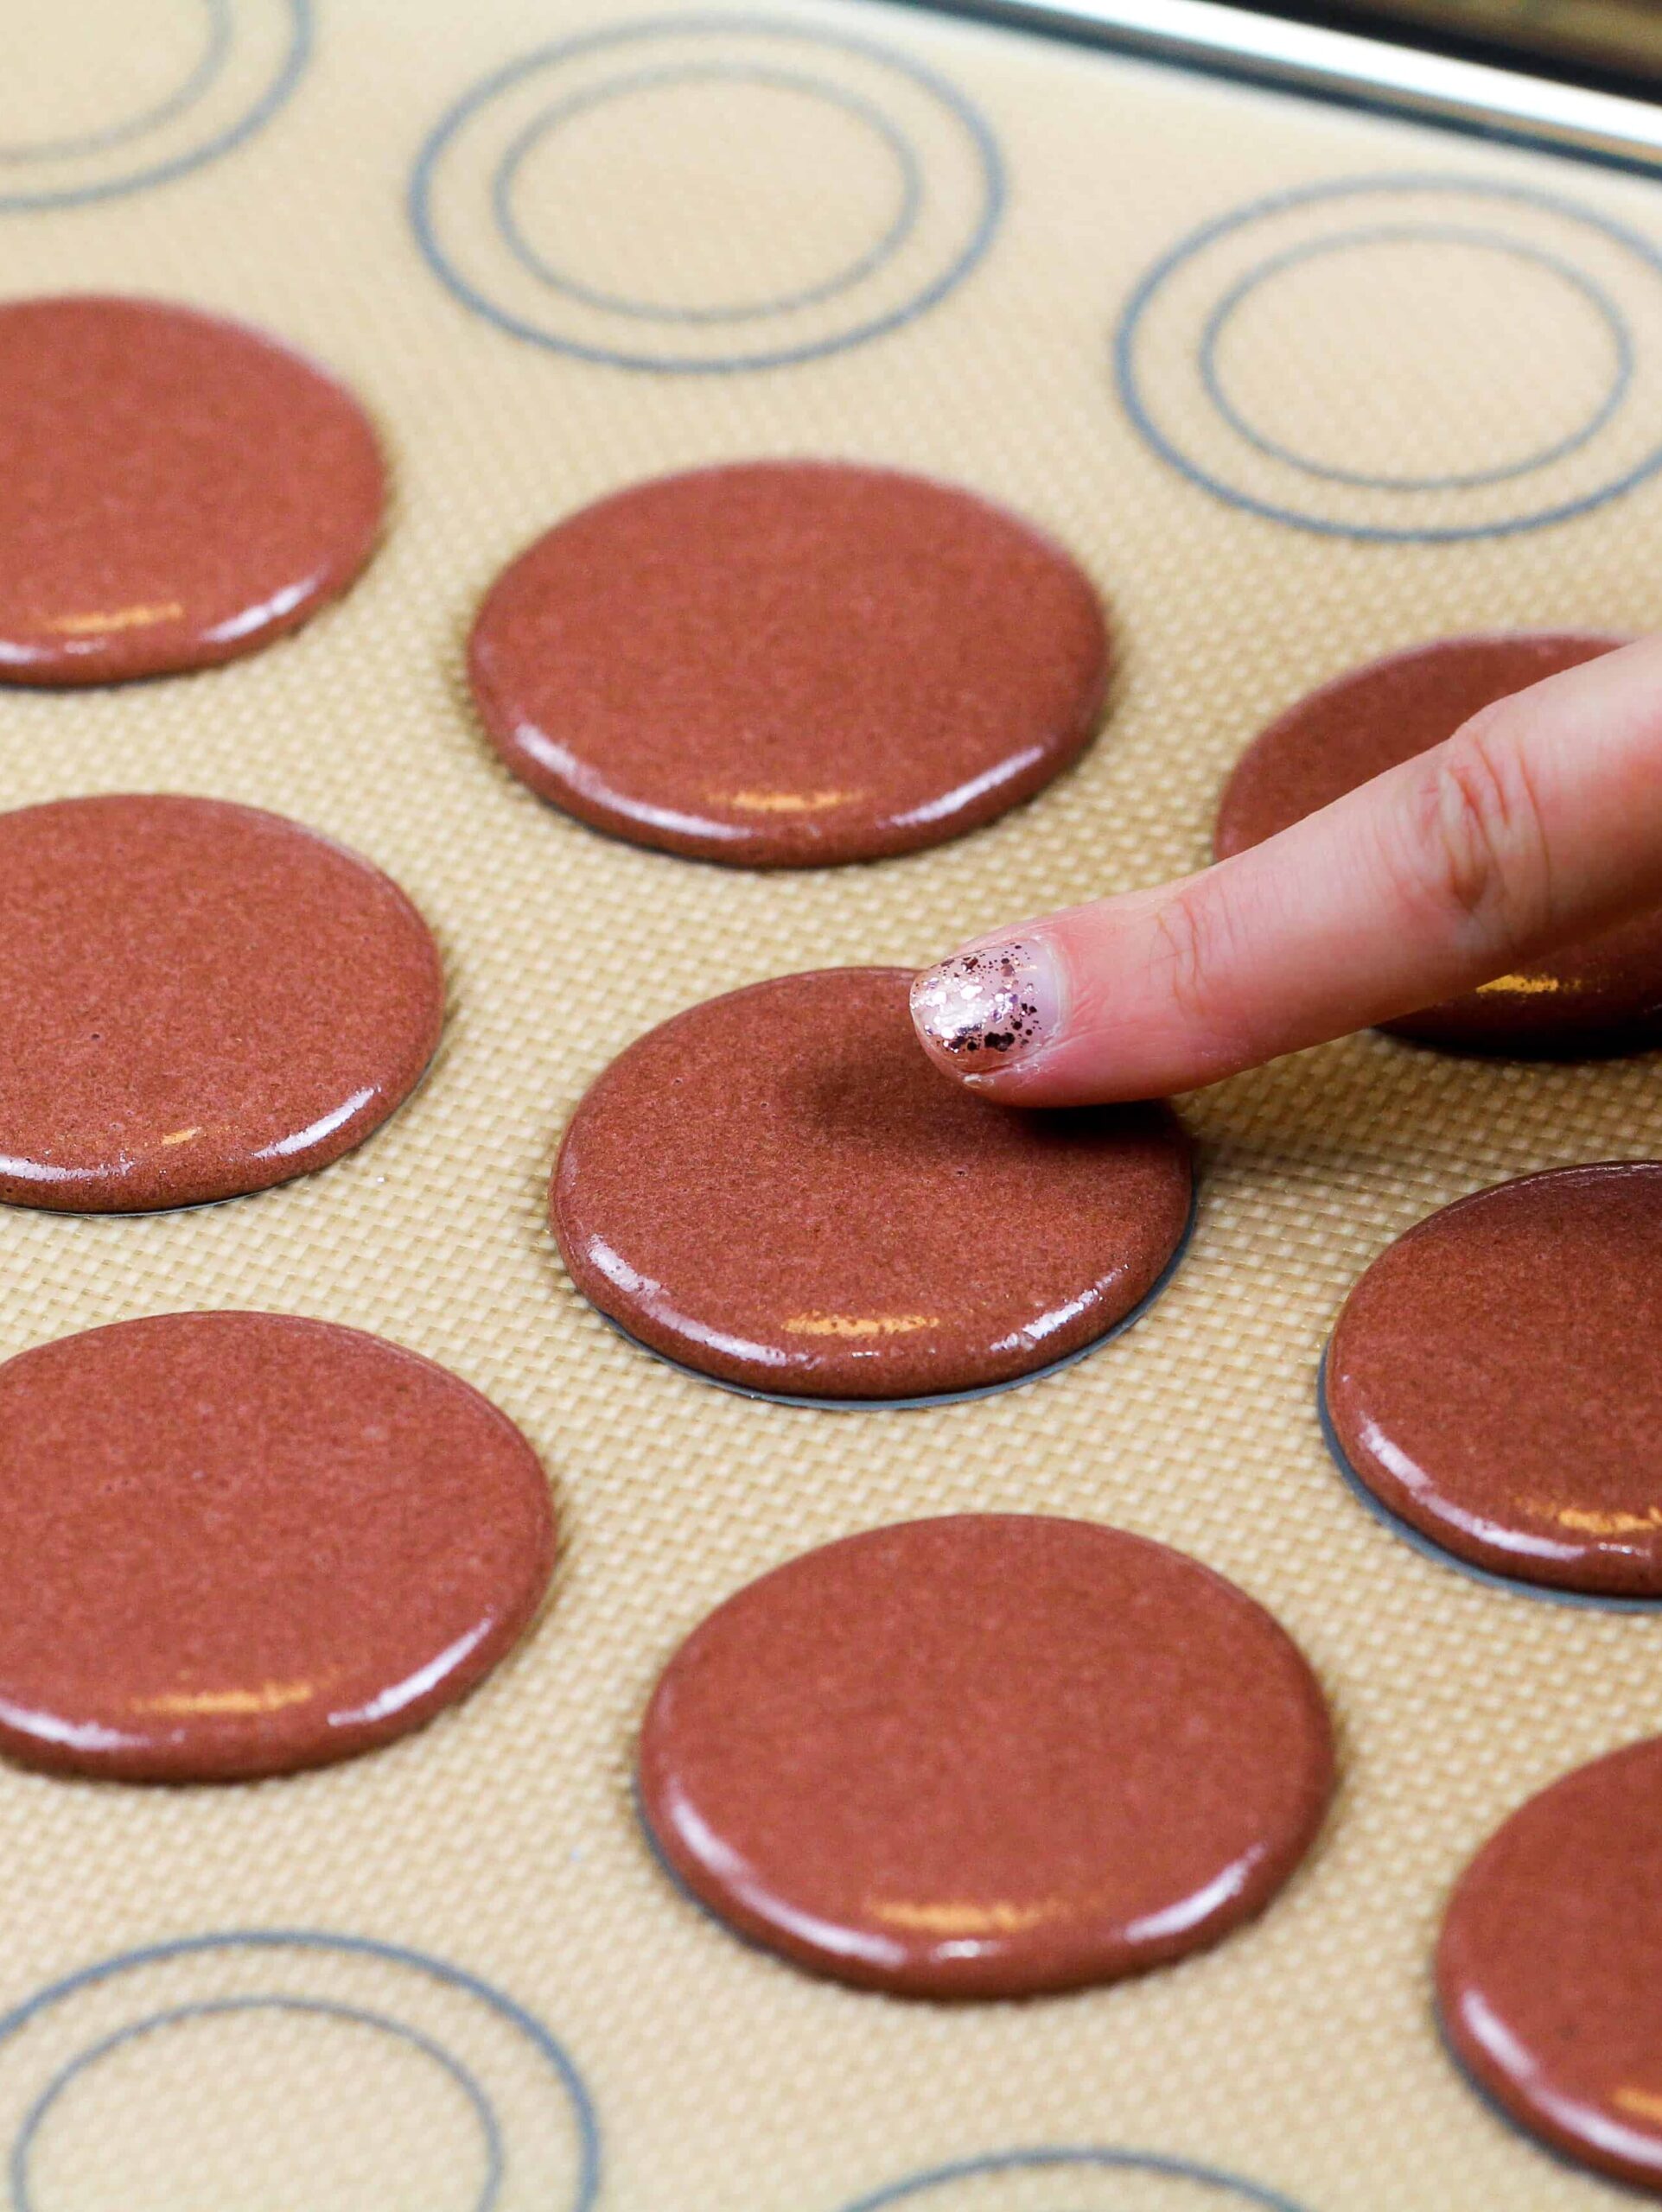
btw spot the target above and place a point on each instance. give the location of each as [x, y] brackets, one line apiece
[1497, 316]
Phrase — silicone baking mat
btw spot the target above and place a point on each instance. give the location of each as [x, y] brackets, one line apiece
[1299, 386]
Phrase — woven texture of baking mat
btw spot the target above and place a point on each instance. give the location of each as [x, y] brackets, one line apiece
[1461, 325]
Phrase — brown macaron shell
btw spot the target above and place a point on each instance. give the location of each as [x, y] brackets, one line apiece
[779, 1189]
[201, 1000]
[986, 1756]
[1546, 1971]
[788, 664]
[236, 1544]
[175, 490]
[1493, 1379]
[1604, 995]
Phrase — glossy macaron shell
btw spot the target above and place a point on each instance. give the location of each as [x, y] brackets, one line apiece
[175, 490]
[1493, 1379]
[201, 1000]
[1605, 994]
[786, 664]
[235, 1544]
[985, 1756]
[1546, 1969]
[779, 1189]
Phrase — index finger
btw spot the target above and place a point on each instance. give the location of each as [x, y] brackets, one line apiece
[1538, 823]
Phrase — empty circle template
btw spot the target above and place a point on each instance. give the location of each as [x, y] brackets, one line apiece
[1085, 2178]
[277, 2066]
[1402, 359]
[660, 195]
[162, 88]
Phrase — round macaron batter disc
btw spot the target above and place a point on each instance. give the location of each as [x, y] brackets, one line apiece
[234, 1544]
[1603, 995]
[174, 490]
[986, 1756]
[1546, 1971]
[785, 664]
[200, 1000]
[779, 1189]
[1493, 1379]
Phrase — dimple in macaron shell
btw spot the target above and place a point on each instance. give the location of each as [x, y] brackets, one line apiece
[201, 1000]
[1600, 996]
[175, 490]
[788, 664]
[236, 1544]
[986, 1756]
[779, 1189]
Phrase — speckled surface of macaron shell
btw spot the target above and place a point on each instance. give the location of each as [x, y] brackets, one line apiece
[201, 1000]
[1546, 1970]
[236, 1544]
[175, 489]
[988, 1755]
[1493, 1378]
[778, 1188]
[784, 664]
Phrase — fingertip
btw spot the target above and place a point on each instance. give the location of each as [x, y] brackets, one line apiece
[1076, 1009]
[990, 1013]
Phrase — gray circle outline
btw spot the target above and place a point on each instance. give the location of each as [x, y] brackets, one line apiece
[505, 180]
[553, 2053]
[1615, 324]
[291, 70]
[1063, 2156]
[420, 195]
[1128, 383]
[483, 2111]
[208, 67]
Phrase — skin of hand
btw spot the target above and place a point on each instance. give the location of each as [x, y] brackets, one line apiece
[1536, 824]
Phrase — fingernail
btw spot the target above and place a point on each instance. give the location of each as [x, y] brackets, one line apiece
[984, 1009]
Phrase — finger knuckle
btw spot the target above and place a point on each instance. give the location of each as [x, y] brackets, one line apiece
[1479, 846]
[1190, 950]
